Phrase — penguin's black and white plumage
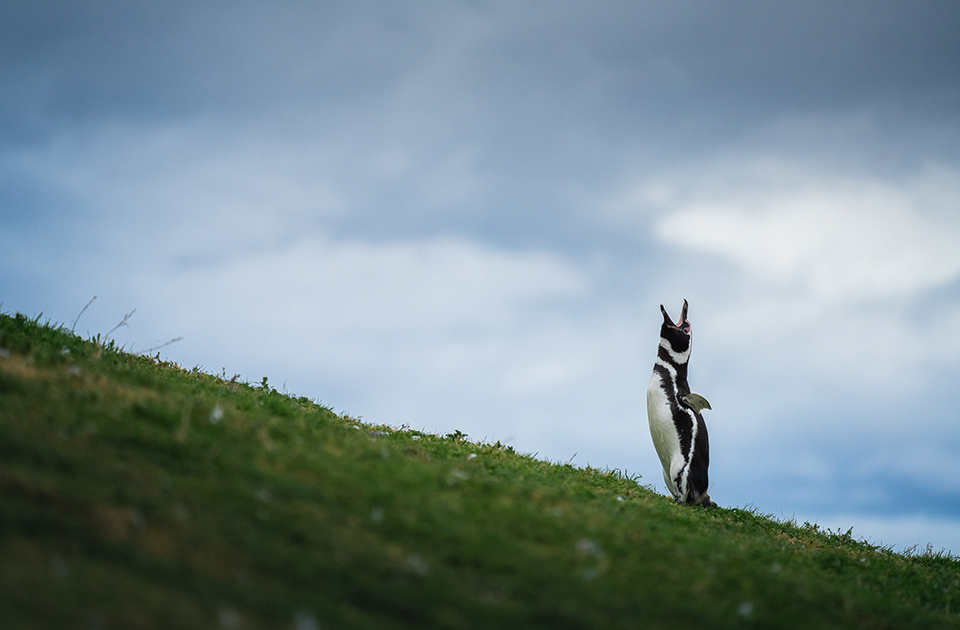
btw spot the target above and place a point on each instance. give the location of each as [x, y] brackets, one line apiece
[676, 426]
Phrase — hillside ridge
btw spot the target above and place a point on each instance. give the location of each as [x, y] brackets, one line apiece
[135, 493]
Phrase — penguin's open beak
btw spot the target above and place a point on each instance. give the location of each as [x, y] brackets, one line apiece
[683, 317]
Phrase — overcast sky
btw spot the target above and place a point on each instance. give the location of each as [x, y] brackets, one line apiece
[465, 215]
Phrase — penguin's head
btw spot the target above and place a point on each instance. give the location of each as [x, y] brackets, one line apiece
[679, 334]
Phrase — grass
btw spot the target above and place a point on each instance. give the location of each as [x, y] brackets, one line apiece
[137, 494]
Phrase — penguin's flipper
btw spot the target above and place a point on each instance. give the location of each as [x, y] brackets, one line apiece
[696, 402]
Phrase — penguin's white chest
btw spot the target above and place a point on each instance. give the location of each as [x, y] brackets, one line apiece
[663, 430]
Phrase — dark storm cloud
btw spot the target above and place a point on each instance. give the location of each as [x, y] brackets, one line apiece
[403, 99]
[64, 63]
[741, 59]
[574, 97]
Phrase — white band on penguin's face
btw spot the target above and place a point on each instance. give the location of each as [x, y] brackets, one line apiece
[678, 357]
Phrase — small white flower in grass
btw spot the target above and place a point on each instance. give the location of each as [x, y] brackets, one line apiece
[414, 437]
[455, 476]
[305, 620]
[417, 564]
[229, 618]
[472, 456]
[587, 547]
[619, 499]
[745, 609]
[216, 415]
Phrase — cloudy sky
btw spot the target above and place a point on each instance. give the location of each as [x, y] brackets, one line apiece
[465, 215]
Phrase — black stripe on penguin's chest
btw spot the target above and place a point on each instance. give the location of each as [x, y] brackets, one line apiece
[683, 417]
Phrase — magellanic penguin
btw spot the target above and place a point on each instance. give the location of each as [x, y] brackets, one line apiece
[676, 426]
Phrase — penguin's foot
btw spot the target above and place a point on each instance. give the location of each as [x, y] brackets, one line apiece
[707, 502]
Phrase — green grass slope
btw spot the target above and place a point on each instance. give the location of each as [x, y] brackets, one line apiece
[136, 494]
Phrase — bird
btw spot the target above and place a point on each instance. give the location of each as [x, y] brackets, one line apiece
[673, 411]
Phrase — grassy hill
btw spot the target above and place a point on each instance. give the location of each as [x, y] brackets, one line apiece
[137, 494]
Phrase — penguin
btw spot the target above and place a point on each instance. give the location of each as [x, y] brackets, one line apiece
[673, 411]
